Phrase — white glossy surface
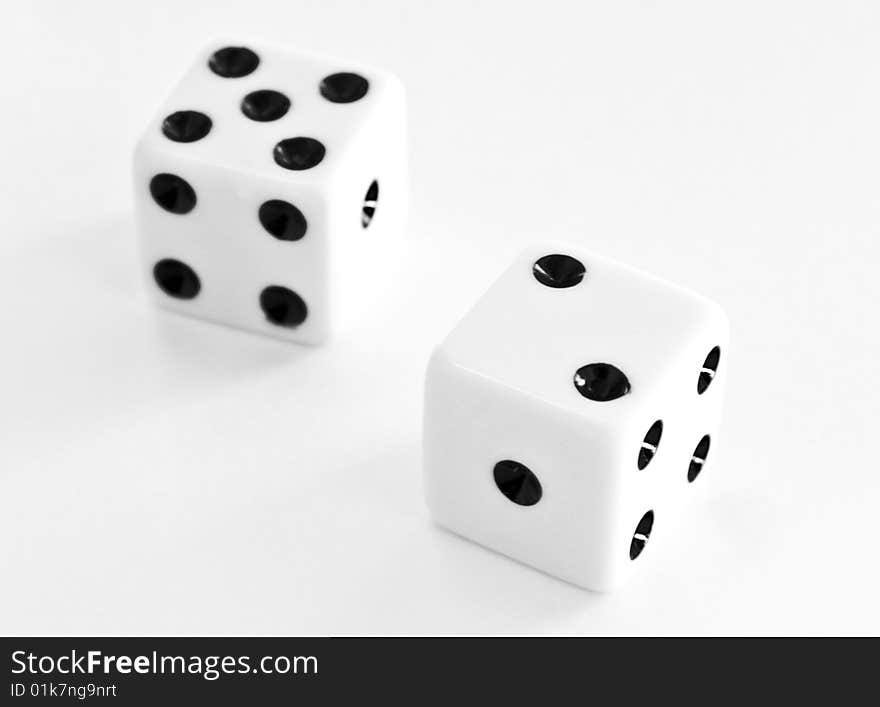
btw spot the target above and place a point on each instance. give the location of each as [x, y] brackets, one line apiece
[500, 386]
[232, 171]
[159, 474]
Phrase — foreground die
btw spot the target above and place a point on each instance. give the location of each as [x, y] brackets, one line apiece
[270, 188]
[572, 413]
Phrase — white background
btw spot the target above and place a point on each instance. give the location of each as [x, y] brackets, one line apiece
[163, 475]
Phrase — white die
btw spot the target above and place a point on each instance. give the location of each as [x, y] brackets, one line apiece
[530, 454]
[254, 131]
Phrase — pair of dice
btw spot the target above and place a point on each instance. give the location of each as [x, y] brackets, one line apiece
[566, 416]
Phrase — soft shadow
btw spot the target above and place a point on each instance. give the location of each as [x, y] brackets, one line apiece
[430, 580]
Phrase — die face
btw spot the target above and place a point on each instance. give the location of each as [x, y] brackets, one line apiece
[273, 122]
[658, 479]
[593, 373]
[235, 255]
[472, 425]
[614, 316]
[256, 173]
[368, 213]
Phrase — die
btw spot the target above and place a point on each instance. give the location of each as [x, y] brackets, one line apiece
[570, 413]
[270, 188]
